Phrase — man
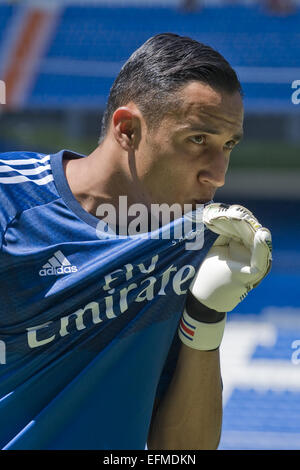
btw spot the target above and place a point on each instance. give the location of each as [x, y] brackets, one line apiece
[89, 314]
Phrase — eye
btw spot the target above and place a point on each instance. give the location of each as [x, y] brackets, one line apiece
[229, 145]
[198, 139]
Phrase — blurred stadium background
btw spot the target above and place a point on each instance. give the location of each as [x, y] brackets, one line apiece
[58, 60]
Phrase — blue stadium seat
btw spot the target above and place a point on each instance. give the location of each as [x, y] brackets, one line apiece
[261, 420]
[246, 36]
[281, 350]
[5, 15]
[54, 91]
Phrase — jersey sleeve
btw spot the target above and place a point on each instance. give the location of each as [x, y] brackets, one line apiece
[25, 181]
[8, 207]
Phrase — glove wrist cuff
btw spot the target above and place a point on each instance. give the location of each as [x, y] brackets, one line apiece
[201, 328]
[198, 311]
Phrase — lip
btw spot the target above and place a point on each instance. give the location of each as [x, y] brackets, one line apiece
[202, 201]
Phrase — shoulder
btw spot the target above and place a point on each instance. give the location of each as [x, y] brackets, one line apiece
[26, 181]
[15, 166]
[24, 167]
[25, 172]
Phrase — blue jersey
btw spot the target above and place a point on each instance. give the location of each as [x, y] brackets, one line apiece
[88, 322]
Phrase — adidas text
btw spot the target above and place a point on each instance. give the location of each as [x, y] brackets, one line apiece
[57, 271]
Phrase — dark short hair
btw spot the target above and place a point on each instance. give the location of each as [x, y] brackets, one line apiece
[159, 68]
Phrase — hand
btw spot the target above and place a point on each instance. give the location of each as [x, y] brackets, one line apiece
[237, 262]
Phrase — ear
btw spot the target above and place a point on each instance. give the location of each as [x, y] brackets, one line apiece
[126, 126]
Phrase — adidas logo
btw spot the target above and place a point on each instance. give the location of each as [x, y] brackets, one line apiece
[57, 265]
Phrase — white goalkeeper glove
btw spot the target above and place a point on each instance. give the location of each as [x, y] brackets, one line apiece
[237, 262]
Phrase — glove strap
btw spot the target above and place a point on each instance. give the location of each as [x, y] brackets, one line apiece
[201, 327]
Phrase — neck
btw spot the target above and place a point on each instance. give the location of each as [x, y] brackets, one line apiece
[103, 176]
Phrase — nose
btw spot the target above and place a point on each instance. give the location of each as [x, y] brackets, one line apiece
[214, 172]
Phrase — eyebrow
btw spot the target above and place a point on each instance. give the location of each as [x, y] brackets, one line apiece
[210, 130]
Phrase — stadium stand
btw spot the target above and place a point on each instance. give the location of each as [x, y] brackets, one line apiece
[6, 12]
[100, 36]
[82, 52]
[90, 44]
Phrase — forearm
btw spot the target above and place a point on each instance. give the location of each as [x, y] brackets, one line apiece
[190, 416]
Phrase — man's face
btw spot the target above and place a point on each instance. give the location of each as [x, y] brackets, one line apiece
[185, 160]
